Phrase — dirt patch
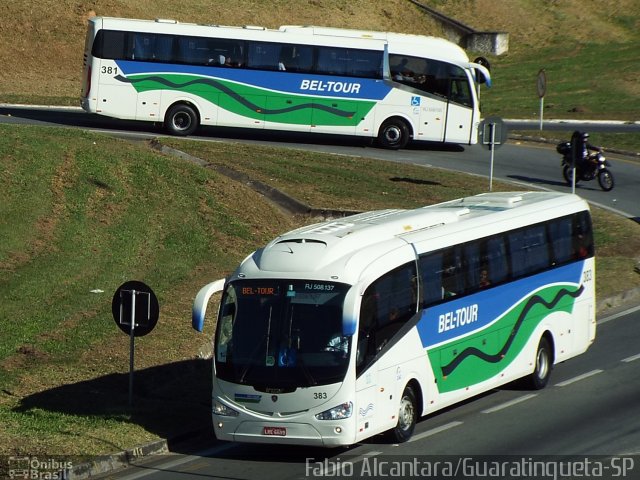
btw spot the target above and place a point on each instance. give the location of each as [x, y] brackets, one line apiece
[25, 355]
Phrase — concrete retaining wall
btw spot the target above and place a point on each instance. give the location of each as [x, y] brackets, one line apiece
[493, 43]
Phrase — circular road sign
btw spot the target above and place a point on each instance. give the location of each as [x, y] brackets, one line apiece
[146, 310]
[541, 83]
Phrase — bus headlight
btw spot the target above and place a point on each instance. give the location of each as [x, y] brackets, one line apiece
[336, 413]
[222, 409]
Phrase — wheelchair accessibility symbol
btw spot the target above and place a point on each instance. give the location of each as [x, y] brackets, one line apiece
[415, 101]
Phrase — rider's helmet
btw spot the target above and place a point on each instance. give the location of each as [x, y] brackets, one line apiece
[585, 136]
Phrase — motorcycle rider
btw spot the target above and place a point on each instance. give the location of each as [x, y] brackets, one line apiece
[585, 147]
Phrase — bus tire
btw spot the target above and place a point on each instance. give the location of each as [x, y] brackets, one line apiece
[394, 134]
[407, 416]
[542, 366]
[181, 119]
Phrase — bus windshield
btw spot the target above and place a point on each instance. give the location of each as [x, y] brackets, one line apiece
[282, 334]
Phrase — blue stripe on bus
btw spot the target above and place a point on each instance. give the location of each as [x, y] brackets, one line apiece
[481, 309]
[298, 83]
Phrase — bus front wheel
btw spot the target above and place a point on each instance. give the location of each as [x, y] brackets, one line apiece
[181, 119]
[394, 134]
[407, 416]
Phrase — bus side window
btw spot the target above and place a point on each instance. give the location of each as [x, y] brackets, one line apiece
[496, 259]
[264, 56]
[387, 304]
[529, 250]
[583, 236]
[225, 332]
[113, 45]
[473, 267]
[561, 240]
[143, 45]
[460, 92]
[431, 278]
[453, 281]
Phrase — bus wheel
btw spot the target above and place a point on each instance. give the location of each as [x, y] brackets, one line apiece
[181, 119]
[394, 134]
[407, 416]
[543, 365]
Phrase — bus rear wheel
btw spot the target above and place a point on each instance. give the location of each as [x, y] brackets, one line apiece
[394, 134]
[407, 416]
[181, 119]
[543, 365]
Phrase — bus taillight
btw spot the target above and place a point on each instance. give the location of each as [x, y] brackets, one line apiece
[88, 84]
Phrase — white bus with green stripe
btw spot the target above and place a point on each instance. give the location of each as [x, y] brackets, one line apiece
[390, 87]
[349, 328]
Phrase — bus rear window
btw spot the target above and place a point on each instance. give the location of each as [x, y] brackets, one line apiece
[111, 45]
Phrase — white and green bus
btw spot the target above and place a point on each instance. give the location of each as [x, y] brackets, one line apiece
[391, 87]
[349, 328]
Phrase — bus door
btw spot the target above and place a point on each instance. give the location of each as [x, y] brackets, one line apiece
[433, 114]
[366, 400]
[382, 347]
[459, 110]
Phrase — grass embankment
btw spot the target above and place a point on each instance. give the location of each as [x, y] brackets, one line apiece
[81, 212]
[588, 49]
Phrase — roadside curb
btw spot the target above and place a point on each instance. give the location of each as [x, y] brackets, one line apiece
[618, 300]
[287, 203]
[117, 461]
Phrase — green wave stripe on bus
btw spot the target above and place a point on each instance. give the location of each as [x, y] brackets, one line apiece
[259, 103]
[480, 356]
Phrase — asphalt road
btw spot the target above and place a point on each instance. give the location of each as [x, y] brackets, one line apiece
[589, 412]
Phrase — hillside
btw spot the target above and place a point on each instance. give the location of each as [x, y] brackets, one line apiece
[41, 42]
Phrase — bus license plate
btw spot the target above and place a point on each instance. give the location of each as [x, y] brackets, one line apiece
[276, 431]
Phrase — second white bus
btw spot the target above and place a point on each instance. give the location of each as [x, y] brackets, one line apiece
[345, 329]
[391, 87]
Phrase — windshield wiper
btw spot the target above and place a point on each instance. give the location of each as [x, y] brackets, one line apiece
[266, 336]
[312, 381]
[250, 365]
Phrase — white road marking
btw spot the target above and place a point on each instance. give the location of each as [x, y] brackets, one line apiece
[578, 378]
[434, 431]
[510, 403]
[631, 359]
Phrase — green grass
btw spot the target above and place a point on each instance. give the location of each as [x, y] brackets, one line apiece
[584, 81]
[82, 211]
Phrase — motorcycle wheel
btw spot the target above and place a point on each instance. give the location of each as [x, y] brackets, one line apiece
[567, 173]
[605, 179]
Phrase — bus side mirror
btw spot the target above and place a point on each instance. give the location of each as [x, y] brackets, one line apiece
[200, 303]
[482, 69]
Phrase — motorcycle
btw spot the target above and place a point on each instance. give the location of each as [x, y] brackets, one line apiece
[595, 165]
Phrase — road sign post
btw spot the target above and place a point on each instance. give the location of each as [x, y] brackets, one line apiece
[541, 85]
[576, 156]
[493, 133]
[135, 310]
